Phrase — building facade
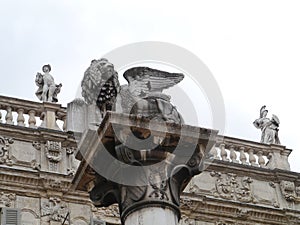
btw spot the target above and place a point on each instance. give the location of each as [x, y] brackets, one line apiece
[242, 182]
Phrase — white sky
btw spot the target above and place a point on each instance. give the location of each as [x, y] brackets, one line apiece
[251, 47]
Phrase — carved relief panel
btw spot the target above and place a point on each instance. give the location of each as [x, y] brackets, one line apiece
[229, 186]
[54, 209]
[290, 191]
[53, 152]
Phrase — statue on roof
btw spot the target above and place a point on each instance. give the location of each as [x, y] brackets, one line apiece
[269, 127]
[142, 96]
[47, 89]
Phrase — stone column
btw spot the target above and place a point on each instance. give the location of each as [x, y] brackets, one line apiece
[143, 170]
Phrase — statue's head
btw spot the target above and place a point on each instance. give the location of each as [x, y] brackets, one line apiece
[46, 68]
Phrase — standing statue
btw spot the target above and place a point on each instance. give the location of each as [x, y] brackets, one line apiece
[142, 96]
[48, 90]
[269, 127]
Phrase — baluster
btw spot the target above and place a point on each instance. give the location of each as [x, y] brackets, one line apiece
[20, 118]
[232, 154]
[223, 152]
[252, 158]
[9, 117]
[261, 160]
[243, 156]
[31, 119]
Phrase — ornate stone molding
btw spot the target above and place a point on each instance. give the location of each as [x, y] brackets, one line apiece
[55, 209]
[110, 211]
[229, 186]
[7, 199]
[5, 151]
[56, 184]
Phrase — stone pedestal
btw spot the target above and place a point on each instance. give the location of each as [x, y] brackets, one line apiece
[142, 165]
[49, 116]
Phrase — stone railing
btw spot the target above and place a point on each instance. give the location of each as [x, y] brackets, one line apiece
[31, 114]
[251, 153]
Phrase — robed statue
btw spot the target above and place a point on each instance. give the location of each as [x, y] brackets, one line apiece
[47, 89]
[269, 127]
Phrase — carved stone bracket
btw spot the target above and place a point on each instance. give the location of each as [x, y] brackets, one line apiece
[55, 209]
[71, 166]
[229, 186]
[5, 151]
[7, 199]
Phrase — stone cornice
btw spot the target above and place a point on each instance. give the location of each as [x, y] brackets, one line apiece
[37, 184]
[28, 134]
[258, 173]
[209, 209]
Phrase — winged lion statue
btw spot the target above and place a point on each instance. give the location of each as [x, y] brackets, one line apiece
[142, 96]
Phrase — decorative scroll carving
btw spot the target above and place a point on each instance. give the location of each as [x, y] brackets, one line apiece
[71, 169]
[53, 152]
[55, 209]
[289, 191]
[36, 145]
[6, 200]
[185, 220]
[228, 186]
[243, 213]
[186, 203]
[5, 151]
[35, 164]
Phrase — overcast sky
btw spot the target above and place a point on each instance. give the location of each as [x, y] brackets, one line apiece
[251, 47]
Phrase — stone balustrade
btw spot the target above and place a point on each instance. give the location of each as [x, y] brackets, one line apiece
[31, 114]
[251, 153]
